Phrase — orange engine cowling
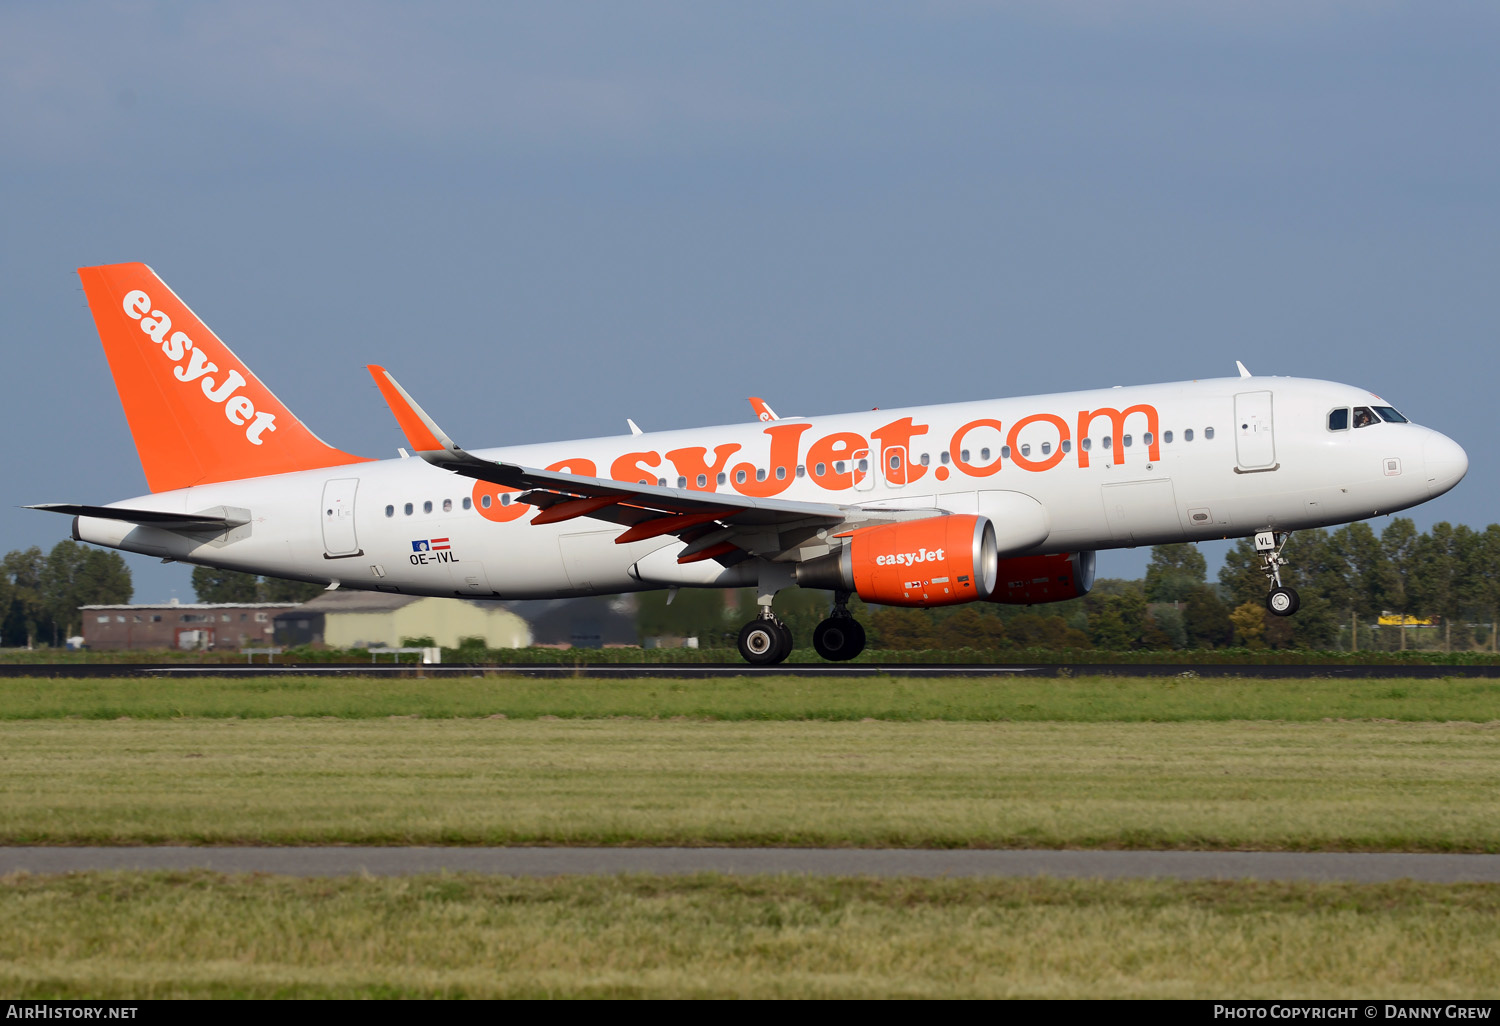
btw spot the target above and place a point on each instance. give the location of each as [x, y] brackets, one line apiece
[1028, 580]
[938, 561]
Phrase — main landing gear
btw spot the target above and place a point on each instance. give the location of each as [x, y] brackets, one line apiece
[839, 637]
[766, 641]
[1282, 601]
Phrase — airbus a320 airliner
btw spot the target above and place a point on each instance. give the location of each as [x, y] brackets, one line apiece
[997, 501]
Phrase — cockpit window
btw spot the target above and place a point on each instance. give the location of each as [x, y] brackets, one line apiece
[1338, 420]
[1389, 415]
[1364, 417]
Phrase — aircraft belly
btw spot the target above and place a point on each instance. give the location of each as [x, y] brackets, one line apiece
[1141, 512]
[594, 564]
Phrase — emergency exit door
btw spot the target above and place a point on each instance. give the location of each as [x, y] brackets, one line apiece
[338, 518]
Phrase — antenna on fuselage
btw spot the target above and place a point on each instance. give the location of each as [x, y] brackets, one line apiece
[1244, 371]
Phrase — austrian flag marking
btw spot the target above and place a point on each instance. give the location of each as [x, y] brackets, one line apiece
[431, 550]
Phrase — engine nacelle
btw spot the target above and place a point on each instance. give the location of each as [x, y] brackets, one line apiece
[937, 561]
[1028, 580]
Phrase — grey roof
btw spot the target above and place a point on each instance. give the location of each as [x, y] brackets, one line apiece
[351, 601]
[202, 605]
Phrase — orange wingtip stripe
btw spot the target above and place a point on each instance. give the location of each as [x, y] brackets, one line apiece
[412, 426]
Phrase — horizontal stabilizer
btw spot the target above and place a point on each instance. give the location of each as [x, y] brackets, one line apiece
[206, 521]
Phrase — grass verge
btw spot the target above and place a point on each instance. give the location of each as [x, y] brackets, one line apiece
[1372, 786]
[1078, 700]
[197, 935]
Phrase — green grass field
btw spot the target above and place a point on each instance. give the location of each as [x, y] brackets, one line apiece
[136, 935]
[1354, 785]
[1333, 764]
[1080, 699]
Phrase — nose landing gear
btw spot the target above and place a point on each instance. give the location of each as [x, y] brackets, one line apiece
[1281, 601]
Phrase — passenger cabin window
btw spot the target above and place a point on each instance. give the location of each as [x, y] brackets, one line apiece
[1108, 440]
[1025, 448]
[390, 511]
[820, 470]
[943, 456]
[1166, 436]
[407, 509]
[682, 482]
[702, 480]
[447, 505]
[1046, 448]
[1187, 436]
[1338, 420]
[1390, 416]
[1067, 446]
[801, 470]
[924, 459]
[1086, 444]
[1005, 452]
[1146, 438]
[1208, 434]
[468, 503]
[1129, 441]
[427, 506]
[984, 454]
[485, 500]
[723, 478]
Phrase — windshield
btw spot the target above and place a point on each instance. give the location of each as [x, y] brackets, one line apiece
[1389, 415]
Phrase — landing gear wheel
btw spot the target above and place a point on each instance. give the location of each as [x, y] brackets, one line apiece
[839, 638]
[764, 642]
[1283, 601]
[787, 641]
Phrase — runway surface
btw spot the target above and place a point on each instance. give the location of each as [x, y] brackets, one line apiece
[1355, 867]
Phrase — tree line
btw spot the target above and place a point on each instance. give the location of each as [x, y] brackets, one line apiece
[40, 592]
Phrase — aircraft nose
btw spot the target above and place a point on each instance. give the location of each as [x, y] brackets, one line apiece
[1446, 462]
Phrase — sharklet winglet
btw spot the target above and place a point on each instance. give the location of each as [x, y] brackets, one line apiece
[421, 431]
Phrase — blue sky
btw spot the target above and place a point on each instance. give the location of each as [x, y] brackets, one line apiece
[545, 218]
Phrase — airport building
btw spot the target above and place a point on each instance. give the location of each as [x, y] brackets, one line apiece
[377, 619]
[182, 625]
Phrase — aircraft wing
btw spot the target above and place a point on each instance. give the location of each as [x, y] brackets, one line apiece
[716, 525]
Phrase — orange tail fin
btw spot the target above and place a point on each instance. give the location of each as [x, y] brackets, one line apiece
[196, 412]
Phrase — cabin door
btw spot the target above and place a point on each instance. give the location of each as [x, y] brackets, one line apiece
[1254, 444]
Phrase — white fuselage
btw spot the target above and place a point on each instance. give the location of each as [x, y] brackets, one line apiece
[1261, 456]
